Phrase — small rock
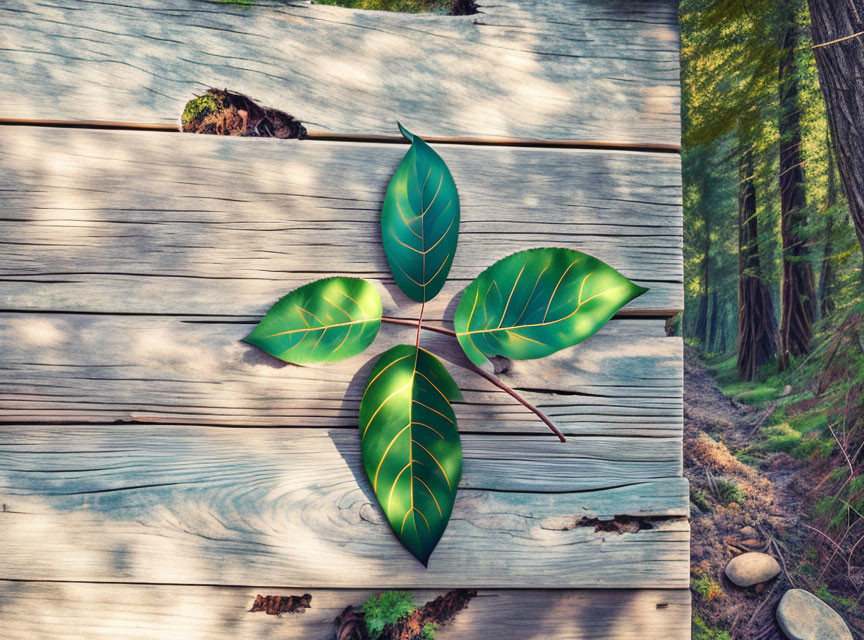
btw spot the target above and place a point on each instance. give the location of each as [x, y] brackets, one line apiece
[749, 532]
[751, 568]
[803, 616]
[787, 390]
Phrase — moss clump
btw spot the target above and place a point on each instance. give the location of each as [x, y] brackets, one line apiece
[745, 457]
[729, 492]
[706, 587]
[699, 499]
[428, 631]
[701, 631]
[228, 113]
[199, 107]
[724, 367]
[757, 395]
[386, 608]
[780, 437]
[405, 6]
[803, 442]
[815, 420]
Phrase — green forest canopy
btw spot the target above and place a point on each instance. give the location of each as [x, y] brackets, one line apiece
[731, 52]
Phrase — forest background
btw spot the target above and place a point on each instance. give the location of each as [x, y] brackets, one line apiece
[773, 162]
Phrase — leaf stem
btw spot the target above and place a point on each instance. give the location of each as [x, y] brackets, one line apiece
[520, 399]
[419, 324]
[413, 323]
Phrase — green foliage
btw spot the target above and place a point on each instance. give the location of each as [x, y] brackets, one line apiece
[730, 103]
[198, 107]
[386, 608]
[411, 448]
[846, 508]
[420, 221]
[410, 443]
[428, 631]
[702, 631]
[835, 601]
[536, 302]
[405, 6]
[324, 321]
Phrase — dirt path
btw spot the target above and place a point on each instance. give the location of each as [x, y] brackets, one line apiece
[734, 508]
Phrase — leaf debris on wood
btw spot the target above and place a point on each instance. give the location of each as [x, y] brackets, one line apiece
[227, 113]
[277, 605]
[419, 624]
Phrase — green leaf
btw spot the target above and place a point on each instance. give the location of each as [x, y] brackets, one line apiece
[536, 302]
[420, 221]
[411, 447]
[323, 321]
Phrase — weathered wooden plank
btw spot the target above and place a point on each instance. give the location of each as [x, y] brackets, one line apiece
[207, 225]
[155, 455]
[203, 505]
[625, 380]
[521, 69]
[92, 611]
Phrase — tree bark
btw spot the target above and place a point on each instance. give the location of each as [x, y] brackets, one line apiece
[838, 38]
[701, 332]
[712, 323]
[828, 273]
[757, 326]
[798, 301]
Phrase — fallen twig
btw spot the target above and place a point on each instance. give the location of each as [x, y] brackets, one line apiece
[770, 410]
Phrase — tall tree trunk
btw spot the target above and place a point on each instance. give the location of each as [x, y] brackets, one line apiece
[723, 329]
[757, 326]
[828, 275]
[838, 37]
[712, 323]
[701, 333]
[798, 301]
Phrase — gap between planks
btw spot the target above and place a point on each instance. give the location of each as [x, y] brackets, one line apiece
[351, 137]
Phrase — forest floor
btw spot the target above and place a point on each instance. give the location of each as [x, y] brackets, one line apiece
[743, 505]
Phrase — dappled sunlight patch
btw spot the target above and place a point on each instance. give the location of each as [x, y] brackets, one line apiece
[39, 332]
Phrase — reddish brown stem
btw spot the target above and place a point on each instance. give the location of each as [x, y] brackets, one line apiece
[419, 324]
[413, 323]
[521, 400]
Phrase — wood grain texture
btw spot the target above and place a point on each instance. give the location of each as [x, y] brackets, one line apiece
[626, 380]
[204, 505]
[191, 224]
[149, 460]
[147, 612]
[579, 70]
